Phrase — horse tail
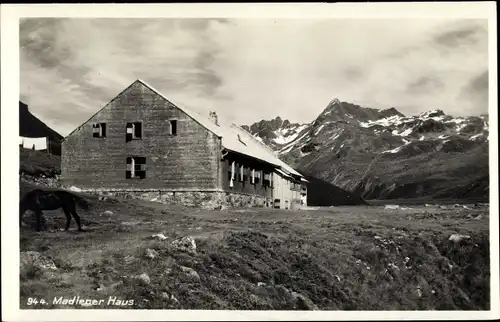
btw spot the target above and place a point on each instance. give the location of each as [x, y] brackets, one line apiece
[25, 203]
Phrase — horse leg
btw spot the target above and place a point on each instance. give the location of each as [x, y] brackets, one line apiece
[67, 212]
[77, 219]
[38, 214]
[75, 215]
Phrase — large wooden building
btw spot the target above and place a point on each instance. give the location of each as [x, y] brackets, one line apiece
[142, 145]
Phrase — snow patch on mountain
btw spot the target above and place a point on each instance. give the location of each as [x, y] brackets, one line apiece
[399, 148]
[336, 136]
[284, 136]
[388, 121]
[403, 133]
[319, 129]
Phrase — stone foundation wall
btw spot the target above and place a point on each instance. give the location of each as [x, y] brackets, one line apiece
[198, 199]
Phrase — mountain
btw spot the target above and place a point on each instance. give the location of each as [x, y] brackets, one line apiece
[275, 133]
[383, 154]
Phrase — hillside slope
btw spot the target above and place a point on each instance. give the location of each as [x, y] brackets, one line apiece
[323, 193]
[382, 154]
[38, 163]
[346, 258]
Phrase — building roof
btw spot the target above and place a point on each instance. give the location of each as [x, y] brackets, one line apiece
[235, 138]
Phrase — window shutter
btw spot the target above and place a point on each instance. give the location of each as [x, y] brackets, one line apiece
[173, 127]
[246, 173]
[96, 130]
[138, 130]
[233, 169]
[128, 136]
[103, 130]
[129, 168]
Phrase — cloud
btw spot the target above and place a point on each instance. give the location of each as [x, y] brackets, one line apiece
[465, 33]
[475, 92]
[424, 84]
[249, 69]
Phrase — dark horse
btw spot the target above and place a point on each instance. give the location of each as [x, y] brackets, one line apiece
[38, 200]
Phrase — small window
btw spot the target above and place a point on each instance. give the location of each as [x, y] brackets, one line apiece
[134, 131]
[173, 127]
[99, 130]
[136, 168]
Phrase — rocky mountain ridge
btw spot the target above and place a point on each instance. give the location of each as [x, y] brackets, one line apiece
[275, 133]
[383, 154]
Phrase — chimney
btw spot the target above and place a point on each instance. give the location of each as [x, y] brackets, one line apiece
[213, 117]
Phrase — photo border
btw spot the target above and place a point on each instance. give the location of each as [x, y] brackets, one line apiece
[10, 76]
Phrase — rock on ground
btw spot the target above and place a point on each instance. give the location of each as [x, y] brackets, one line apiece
[129, 259]
[151, 253]
[171, 297]
[36, 259]
[143, 278]
[186, 244]
[458, 237]
[158, 237]
[110, 288]
[190, 272]
[303, 302]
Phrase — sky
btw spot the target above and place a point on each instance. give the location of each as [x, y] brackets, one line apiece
[252, 69]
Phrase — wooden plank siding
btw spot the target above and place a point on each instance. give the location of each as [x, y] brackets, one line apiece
[188, 160]
[286, 192]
